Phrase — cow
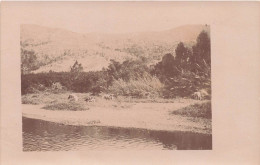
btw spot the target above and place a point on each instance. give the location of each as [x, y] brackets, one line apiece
[73, 97]
[90, 99]
[197, 95]
[201, 94]
[204, 93]
[108, 96]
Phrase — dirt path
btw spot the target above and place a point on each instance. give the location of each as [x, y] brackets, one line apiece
[154, 116]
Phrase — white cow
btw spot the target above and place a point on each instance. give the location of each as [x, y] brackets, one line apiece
[73, 97]
[108, 96]
[197, 95]
[90, 99]
[201, 94]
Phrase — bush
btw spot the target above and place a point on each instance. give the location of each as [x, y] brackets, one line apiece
[58, 81]
[70, 106]
[31, 99]
[146, 86]
[196, 110]
[56, 88]
[185, 84]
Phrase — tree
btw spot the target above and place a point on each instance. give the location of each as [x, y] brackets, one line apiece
[76, 70]
[201, 51]
[183, 54]
[28, 61]
[128, 70]
[169, 64]
[166, 68]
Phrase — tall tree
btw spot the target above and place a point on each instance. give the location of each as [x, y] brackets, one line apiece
[76, 68]
[169, 65]
[28, 61]
[202, 50]
[183, 54]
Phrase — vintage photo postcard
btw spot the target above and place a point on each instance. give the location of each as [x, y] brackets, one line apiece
[125, 78]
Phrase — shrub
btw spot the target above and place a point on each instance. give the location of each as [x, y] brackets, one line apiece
[70, 106]
[185, 84]
[30, 99]
[84, 82]
[56, 88]
[202, 110]
[145, 86]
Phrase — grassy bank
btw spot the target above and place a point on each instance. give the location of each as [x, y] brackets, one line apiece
[59, 101]
[66, 106]
[155, 114]
[202, 110]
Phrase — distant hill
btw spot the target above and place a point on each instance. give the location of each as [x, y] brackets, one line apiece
[58, 49]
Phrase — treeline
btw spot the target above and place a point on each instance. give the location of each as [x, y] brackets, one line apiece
[188, 71]
[179, 75]
[78, 81]
[83, 82]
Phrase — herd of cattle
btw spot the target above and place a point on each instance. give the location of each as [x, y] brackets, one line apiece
[73, 97]
[199, 95]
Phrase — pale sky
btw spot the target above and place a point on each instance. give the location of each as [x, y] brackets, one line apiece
[121, 17]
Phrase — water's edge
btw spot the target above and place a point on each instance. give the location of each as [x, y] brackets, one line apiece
[92, 118]
[40, 135]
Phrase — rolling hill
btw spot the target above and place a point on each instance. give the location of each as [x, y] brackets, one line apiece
[58, 49]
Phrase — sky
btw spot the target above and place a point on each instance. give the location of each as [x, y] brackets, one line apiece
[122, 17]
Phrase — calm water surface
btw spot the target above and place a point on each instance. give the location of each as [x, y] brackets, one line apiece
[39, 135]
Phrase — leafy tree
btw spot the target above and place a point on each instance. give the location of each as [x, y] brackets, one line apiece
[183, 55]
[114, 68]
[127, 70]
[166, 68]
[28, 61]
[76, 68]
[201, 51]
[169, 64]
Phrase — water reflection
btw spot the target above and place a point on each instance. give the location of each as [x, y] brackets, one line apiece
[40, 135]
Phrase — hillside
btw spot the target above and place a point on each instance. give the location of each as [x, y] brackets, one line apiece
[57, 49]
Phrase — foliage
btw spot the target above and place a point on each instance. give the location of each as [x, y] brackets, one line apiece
[165, 68]
[69, 106]
[183, 54]
[140, 87]
[76, 68]
[188, 71]
[202, 110]
[28, 61]
[185, 84]
[85, 82]
[128, 70]
[196, 60]
[177, 75]
[201, 57]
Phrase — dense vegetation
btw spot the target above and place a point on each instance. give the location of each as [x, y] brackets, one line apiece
[196, 110]
[174, 76]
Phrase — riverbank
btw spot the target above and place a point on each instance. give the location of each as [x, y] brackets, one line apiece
[152, 116]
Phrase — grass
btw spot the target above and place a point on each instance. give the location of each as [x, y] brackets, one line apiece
[202, 110]
[69, 106]
[53, 101]
[142, 87]
[51, 98]
[47, 98]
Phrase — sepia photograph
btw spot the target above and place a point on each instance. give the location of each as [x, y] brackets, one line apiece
[103, 90]
[129, 82]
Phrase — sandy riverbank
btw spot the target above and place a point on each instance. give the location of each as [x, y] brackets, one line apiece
[153, 116]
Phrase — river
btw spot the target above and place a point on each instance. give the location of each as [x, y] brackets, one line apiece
[39, 135]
